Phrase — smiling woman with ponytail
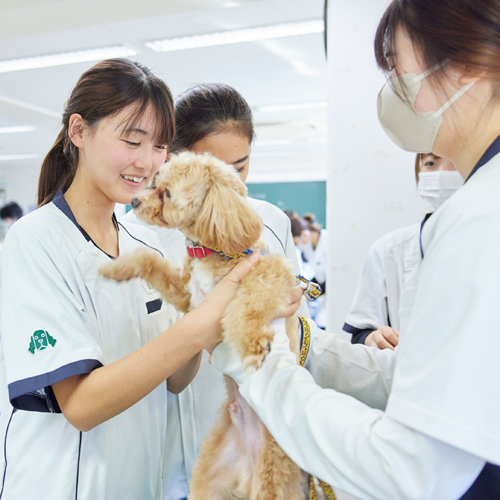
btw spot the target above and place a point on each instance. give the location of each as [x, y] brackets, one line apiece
[84, 360]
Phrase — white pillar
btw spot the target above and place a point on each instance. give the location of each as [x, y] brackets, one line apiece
[371, 187]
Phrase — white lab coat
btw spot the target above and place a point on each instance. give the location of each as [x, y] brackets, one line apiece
[419, 422]
[388, 268]
[59, 319]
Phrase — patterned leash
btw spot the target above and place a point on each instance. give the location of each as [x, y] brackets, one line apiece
[311, 290]
[305, 342]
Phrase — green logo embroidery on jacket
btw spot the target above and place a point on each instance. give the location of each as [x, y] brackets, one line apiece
[40, 340]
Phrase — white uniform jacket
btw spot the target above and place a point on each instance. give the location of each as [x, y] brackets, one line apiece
[60, 318]
[388, 268]
[438, 425]
[192, 413]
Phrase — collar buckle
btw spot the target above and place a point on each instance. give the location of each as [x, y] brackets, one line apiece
[196, 250]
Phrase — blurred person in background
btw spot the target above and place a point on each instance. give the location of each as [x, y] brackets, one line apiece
[9, 213]
[292, 214]
[315, 252]
[393, 260]
[301, 235]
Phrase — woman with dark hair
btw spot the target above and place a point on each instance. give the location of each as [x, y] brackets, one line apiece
[420, 422]
[315, 250]
[392, 260]
[84, 359]
[10, 213]
[210, 118]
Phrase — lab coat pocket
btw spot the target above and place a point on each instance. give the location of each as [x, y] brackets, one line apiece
[411, 265]
[160, 315]
[152, 298]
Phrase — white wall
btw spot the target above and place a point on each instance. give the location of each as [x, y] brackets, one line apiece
[21, 184]
[371, 186]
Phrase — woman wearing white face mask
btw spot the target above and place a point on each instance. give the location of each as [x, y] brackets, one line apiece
[437, 179]
[393, 260]
[420, 422]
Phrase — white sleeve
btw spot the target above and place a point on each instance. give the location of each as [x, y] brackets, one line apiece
[355, 448]
[47, 333]
[357, 370]
[369, 306]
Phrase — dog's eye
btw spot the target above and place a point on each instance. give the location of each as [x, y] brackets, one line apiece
[167, 193]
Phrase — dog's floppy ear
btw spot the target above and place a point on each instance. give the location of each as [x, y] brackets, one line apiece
[227, 221]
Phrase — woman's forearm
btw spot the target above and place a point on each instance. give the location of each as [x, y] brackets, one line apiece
[182, 377]
[90, 399]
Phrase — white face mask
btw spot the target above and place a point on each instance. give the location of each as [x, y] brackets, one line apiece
[437, 187]
[306, 248]
[409, 129]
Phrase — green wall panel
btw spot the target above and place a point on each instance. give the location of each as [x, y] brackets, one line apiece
[303, 197]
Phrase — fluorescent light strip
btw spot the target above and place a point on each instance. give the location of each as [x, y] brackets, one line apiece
[19, 157]
[15, 130]
[237, 36]
[291, 107]
[65, 58]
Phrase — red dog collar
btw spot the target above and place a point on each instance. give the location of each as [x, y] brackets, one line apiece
[199, 251]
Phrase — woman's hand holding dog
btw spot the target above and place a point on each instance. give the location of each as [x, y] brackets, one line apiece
[295, 298]
[216, 302]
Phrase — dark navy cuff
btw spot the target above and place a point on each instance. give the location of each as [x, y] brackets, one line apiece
[36, 394]
[358, 335]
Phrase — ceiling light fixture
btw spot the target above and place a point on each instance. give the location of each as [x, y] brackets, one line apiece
[65, 58]
[19, 157]
[16, 129]
[237, 36]
[291, 107]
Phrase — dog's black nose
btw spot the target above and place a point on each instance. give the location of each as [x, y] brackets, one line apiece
[135, 202]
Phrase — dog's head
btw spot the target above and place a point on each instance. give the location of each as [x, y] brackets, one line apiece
[205, 199]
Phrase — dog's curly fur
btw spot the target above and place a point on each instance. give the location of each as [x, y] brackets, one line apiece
[206, 200]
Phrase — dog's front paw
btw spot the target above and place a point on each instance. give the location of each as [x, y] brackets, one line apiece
[256, 355]
[119, 270]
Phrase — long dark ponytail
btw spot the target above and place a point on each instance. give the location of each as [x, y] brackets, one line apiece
[103, 91]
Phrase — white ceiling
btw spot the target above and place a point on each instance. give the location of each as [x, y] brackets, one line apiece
[291, 145]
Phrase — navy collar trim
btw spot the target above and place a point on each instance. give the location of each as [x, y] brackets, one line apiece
[61, 203]
[492, 151]
[426, 218]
